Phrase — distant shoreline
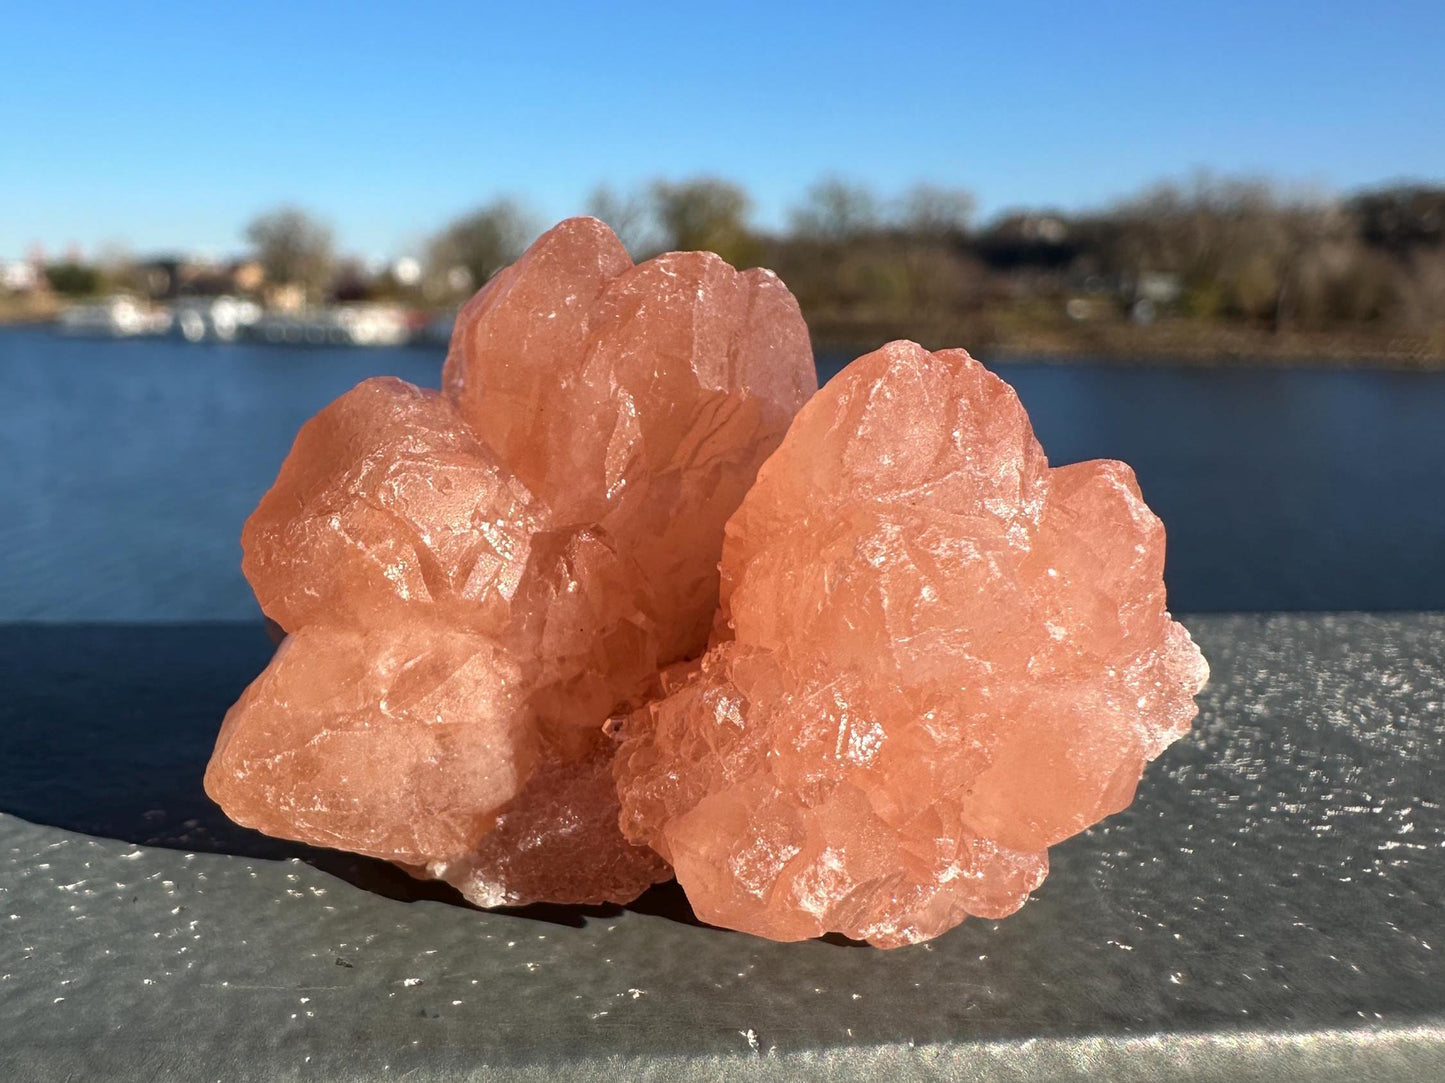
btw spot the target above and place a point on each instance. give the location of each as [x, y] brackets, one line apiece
[1244, 352]
[1169, 342]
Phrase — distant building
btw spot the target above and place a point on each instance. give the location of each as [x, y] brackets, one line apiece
[247, 275]
[288, 297]
[1028, 240]
[166, 278]
[1158, 287]
[20, 276]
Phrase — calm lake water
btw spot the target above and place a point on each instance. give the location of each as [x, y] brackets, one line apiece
[128, 468]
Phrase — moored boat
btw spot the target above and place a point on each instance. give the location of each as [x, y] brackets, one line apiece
[114, 317]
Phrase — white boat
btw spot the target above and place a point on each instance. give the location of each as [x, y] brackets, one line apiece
[340, 325]
[115, 317]
[218, 318]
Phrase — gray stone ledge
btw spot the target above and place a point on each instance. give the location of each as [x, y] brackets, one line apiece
[1270, 906]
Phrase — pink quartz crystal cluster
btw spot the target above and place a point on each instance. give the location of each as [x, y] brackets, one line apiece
[512, 663]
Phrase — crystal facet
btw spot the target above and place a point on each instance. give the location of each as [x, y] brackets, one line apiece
[936, 657]
[474, 580]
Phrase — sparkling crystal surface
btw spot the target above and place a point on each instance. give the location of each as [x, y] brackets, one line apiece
[474, 580]
[936, 657]
[640, 400]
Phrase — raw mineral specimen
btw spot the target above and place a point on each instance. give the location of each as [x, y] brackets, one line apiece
[639, 399]
[936, 658]
[474, 580]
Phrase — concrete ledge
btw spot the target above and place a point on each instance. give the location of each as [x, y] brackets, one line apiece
[1270, 906]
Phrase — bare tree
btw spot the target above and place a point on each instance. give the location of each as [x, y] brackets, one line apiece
[294, 249]
[628, 215]
[1240, 247]
[476, 246]
[930, 211]
[705, 213]
[835, 210]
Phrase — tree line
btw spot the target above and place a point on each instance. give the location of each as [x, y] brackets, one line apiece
[1205, 251]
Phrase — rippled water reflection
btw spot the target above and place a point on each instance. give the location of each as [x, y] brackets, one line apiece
[129, 466]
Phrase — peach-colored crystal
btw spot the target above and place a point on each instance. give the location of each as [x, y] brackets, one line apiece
[338, 742]
[474, 580]
[639, 399]
[936, 658]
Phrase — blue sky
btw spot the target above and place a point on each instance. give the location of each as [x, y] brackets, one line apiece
[167, 126]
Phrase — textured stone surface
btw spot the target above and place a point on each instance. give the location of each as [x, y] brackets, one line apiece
[1268, 908]
[475, 579]
[938, 658]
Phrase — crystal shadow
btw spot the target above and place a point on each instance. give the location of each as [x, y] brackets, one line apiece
[107, 728]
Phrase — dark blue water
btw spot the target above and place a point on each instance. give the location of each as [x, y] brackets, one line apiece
[126, 469]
